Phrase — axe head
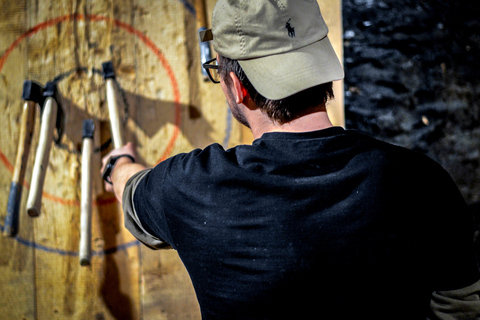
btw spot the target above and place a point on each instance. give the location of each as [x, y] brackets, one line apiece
[33, 91]
[108, 71]
[50, 90]
[88, 128]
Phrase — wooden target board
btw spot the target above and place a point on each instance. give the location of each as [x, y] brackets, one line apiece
[166, 108]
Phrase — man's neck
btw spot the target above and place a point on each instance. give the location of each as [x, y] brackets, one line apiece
[313, 121]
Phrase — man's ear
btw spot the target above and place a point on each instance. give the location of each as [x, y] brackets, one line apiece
[239, 91]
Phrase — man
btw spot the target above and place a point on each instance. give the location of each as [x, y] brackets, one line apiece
[311, 221]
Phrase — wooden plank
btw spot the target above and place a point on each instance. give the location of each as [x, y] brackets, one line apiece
[164, 81]
[109, 287]
[121, 288]
[17, 260]
[332, 14]
[47, 58]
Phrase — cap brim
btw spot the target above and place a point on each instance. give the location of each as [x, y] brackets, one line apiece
[281, 75]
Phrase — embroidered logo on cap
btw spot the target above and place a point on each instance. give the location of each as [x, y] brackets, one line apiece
[291, 30]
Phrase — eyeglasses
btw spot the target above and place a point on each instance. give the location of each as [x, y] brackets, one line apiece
[211, 67]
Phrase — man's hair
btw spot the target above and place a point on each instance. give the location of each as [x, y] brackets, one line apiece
[282, 110]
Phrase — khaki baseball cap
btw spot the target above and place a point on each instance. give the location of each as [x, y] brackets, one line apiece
[282, 45]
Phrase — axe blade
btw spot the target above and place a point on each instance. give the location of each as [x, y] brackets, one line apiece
[33, 91]
[50, 90]
[88, 128]
[108, 70]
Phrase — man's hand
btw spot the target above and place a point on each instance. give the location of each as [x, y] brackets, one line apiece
[126, 149]
[123, 170]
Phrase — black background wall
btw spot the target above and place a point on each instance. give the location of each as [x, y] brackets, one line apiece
[413, 79]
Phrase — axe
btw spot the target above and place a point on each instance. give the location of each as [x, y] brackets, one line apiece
[205, 52]
[109, 76]
[51, 119]
[32, 94]
[86, 197]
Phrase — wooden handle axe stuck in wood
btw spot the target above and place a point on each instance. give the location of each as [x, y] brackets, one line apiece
[50, 120]
[86, 196]
[114, 115]
[32, 94]
[205, 52]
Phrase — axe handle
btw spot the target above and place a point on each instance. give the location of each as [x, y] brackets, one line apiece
[49, 118]
[113, 113]
[24, 142]
[86, 203]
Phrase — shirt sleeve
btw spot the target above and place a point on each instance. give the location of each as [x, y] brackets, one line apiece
[132, 222]
[460, 304]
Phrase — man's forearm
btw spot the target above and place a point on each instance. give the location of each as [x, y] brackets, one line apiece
[123, 171]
